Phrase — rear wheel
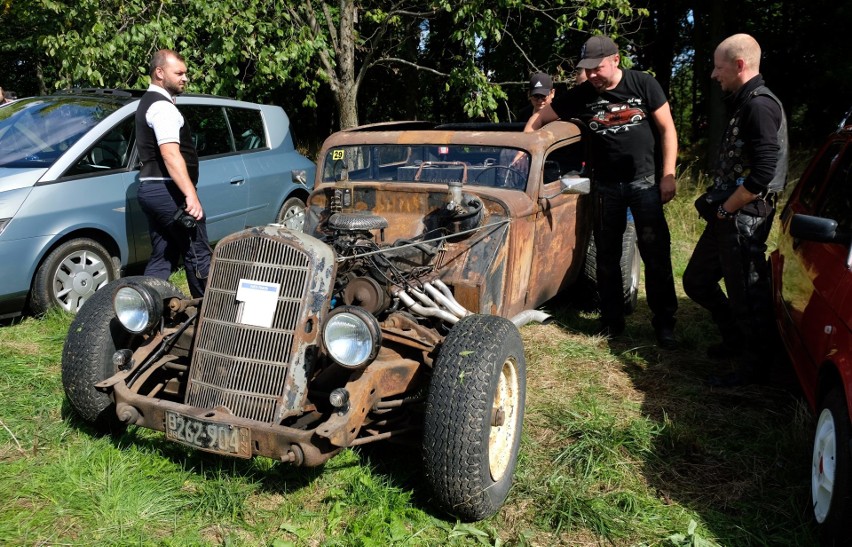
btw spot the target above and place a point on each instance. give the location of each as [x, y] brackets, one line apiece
[71, 274]
[292, 214]
[94, 336]
[631, 272]
[474, 416]
[831, 489]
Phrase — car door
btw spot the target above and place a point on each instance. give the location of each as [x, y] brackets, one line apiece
[97, 192]
[562, 226]
[267, 176]
[812, 273]
[222, 186]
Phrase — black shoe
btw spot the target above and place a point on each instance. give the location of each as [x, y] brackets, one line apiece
[723, 350]
[666, 338]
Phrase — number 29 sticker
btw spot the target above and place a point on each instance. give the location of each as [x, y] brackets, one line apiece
[338, 154]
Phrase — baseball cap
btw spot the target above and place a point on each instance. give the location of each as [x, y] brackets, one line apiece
[540, 84]
[595, 50]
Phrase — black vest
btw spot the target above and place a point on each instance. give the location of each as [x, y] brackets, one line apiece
[153, 165]
[733, 159]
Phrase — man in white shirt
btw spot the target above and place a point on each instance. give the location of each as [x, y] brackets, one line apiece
[169, 175]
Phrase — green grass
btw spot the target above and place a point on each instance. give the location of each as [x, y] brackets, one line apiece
[623, 445]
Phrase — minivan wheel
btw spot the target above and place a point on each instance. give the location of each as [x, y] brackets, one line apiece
[292, 214]
[71, 274]
[831, 488]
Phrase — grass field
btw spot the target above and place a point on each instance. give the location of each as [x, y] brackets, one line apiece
[623, 445]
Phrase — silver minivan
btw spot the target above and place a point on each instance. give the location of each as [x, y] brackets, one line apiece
[69, 219]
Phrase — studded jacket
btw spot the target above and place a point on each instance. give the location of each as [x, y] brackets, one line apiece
[754, 148]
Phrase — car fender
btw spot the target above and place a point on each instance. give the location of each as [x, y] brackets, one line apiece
[101, 233]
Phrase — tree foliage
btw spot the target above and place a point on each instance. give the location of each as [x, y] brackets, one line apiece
[251, 48]
[368, 61]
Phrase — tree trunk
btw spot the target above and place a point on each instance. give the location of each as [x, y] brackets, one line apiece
[346, 93]
[347, 105]
[716, 113]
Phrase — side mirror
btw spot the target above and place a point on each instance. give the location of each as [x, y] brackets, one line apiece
[574, 184]
[821, 230]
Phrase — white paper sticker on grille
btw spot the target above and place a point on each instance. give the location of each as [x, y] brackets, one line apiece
[257, 302]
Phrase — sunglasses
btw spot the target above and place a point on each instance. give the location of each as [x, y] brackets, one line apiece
[538, 97]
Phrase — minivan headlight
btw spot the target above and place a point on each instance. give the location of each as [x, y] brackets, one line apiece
[136, 308]
[352, 336]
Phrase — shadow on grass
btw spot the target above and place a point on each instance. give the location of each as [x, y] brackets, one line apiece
[739, 457]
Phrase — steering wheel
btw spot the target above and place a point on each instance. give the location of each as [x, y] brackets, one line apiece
[508, 178]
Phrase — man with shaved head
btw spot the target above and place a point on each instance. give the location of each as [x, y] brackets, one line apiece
[751, 170]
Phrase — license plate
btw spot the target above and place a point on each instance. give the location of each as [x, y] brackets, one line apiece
[230, 440]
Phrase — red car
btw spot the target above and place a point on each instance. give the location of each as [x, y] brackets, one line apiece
[812, 290]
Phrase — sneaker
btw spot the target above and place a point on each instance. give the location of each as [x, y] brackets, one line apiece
[666, 338]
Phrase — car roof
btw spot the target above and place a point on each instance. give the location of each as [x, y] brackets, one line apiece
[474, 133]
[128, 95]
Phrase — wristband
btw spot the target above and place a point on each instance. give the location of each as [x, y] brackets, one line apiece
[723, 213]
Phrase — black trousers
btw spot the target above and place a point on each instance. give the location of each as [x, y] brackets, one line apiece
[643, 198]
[734, 250]
[171, 241]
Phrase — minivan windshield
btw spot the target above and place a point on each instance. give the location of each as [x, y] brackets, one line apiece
[35, 132]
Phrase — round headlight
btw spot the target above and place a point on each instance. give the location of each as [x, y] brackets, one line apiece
[352, 336]
[136, 308]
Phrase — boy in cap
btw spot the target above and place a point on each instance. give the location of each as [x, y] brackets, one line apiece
[541, 91]
[540, 94]
[627, 113]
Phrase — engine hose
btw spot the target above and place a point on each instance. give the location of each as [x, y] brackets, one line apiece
[431, 251]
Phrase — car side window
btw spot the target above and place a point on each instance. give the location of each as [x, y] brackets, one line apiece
[210, 132]
[837, 200]
[248, 129]
[111, 152]
[562, 161]
[811, 190]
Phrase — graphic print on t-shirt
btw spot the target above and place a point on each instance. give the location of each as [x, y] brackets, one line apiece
[615, 117]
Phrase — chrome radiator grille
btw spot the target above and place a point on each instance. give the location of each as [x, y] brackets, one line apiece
[250, 370]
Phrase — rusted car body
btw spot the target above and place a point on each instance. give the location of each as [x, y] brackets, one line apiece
[394, 316]
[538, 236]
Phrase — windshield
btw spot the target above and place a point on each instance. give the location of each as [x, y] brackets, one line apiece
[35, 132]
[469, 164]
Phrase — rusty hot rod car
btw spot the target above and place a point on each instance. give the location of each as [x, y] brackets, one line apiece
[394, 316]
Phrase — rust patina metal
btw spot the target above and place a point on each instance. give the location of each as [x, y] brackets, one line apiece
[535, 257]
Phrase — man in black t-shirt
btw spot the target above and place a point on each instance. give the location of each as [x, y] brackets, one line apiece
[629, 122]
